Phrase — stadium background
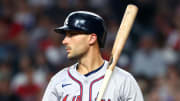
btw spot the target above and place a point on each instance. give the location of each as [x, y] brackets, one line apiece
[31, 52]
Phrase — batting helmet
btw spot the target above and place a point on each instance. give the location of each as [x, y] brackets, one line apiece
[87, 22]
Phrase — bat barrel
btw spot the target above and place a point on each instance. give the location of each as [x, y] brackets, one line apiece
[123, 32]
[122, 35]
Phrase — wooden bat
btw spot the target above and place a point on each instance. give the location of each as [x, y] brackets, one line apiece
[121, 37]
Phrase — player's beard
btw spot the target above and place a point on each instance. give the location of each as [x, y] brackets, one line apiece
[74, 57]
[76, 54]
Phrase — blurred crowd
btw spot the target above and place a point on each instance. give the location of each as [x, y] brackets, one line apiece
[31, 52]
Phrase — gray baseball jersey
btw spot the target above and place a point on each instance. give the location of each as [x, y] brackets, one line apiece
[70, 85]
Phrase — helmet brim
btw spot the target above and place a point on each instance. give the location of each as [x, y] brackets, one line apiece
[62, 29]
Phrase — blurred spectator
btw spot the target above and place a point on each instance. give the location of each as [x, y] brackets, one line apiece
[6, 93]
[41, 3]
[170, 56]
[153, 96]
[174, 36]
[146, 85]
[28, 91]
[147, 11]
[167, 21]
[40, 33]
[124, 62]
[112, 26]
[3, 45]
[24, 14]
[98, 5]
[6, 8]
[19, 45]
[169, 90]
[147, 60]
[41, 69]
[54, 51]
[59, 11]
[24, 82]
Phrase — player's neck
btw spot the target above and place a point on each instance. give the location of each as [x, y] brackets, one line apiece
[91, 61]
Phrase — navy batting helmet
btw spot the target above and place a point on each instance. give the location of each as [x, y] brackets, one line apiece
[87, 22]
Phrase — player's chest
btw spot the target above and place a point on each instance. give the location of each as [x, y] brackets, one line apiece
[85, 90]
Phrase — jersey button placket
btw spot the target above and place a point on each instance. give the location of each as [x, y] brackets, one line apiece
[85, 90]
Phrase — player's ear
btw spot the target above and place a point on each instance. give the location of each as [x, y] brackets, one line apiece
[92, 39]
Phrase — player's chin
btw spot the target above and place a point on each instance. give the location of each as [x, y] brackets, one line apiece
[72, 57]
[69, 56]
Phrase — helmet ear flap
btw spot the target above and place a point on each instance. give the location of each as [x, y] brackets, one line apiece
[87, 22]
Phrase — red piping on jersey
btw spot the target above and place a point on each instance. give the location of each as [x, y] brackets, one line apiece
[65, 99]
[90, 94]
[74, 98]
[81, 87]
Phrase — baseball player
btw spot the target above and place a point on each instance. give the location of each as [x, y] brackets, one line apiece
[84, 36]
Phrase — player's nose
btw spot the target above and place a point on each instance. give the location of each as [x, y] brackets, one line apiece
[65, 40]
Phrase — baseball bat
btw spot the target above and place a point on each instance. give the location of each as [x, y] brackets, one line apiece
[121, 37]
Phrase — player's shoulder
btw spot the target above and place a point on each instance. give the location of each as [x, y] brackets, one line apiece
[62, 74]
[122, 76]
[119, 72]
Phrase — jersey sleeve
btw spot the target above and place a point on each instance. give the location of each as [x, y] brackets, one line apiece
[131, 90]
[51, 93]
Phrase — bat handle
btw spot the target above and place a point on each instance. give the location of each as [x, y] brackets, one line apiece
[104, 85]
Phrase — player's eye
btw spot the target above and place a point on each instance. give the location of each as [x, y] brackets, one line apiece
[70, 35]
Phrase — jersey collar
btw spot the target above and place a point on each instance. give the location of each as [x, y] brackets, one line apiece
[94, 71]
